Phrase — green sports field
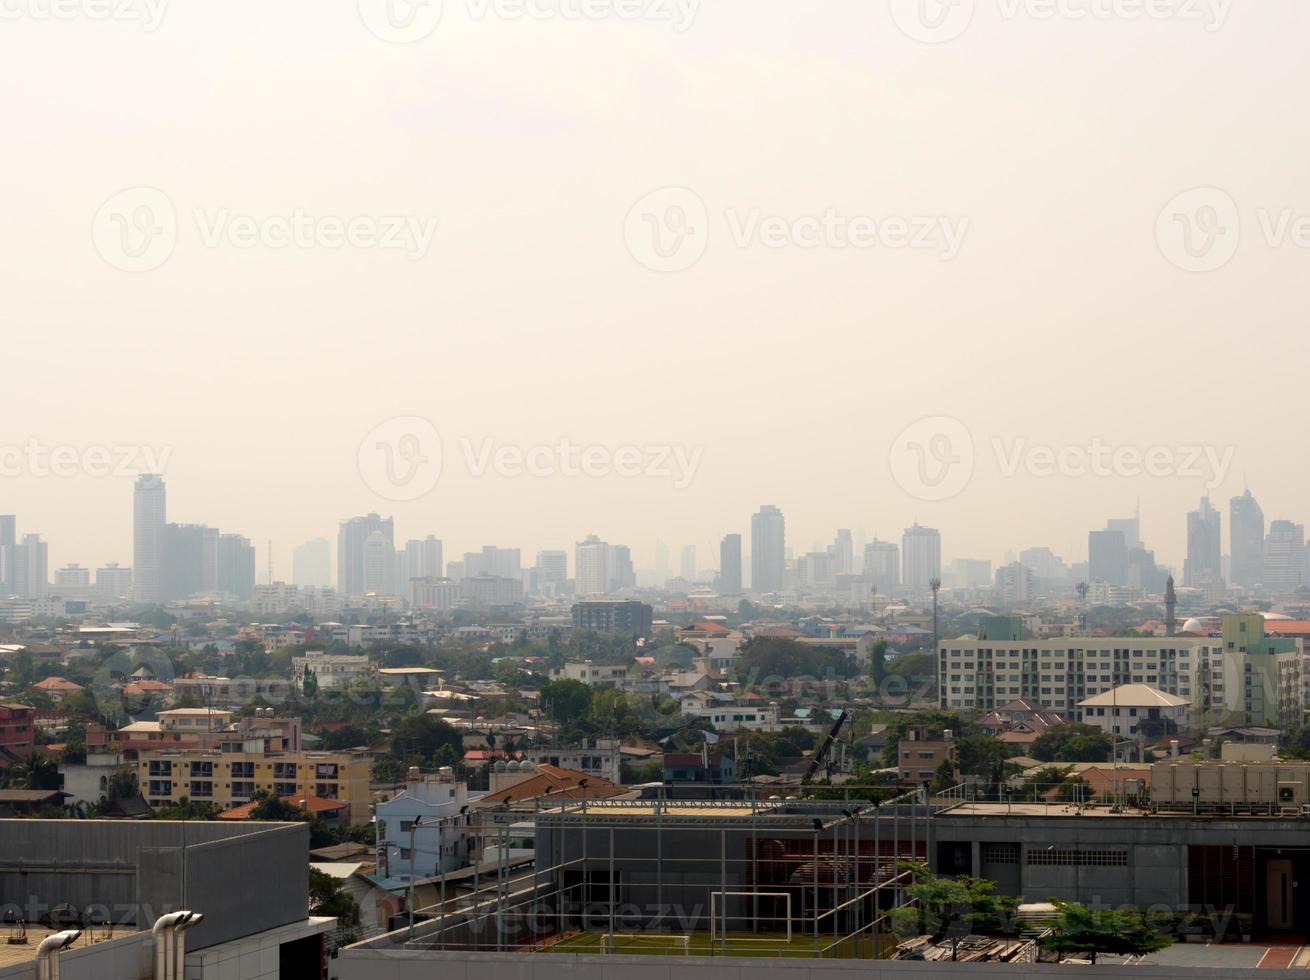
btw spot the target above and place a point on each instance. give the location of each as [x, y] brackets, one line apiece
[699, 944]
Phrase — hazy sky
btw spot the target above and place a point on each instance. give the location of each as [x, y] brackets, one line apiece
[986, 229]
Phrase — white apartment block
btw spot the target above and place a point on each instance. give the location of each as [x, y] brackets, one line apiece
[591, 674]
[331, 670]
[733, 717]
[1059, 673]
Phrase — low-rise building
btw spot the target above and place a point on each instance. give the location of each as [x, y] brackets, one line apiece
[230, 778]
[425, 830]
[613, 616]
[1135, 711]
[331, 671]
[921, 753]
[17, 725]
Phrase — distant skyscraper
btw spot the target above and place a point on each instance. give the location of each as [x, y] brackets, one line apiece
[379, 564]
[114, 583]
[354, 554]
[1129, 527]
[730, 565]
[768, 549]
[1246, 539]
[8, 542]
[882, 565]
[1284, 557]
[185, 561]
[1107, 557]
[1204, 559]
[921, 557]
[591, 565]
[311, 564]
[687, 565]
[32, 567]
[149, 515]
[622, 574]
[843, 553]
[552, 570]
[236, 566]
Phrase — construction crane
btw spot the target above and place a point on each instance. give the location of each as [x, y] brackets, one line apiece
[826, 748]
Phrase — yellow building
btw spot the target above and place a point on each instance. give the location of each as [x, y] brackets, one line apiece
[228, 779]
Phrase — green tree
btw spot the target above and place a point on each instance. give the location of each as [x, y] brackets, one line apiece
[1079, 929]
[949, 909]
[421, 739]
[326, 897]
[1072, 743]
[566, 701]
[944, 779]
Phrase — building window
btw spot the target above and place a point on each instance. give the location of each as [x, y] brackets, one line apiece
[1068, 857]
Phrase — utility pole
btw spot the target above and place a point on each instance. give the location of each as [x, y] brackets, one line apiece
[936, 585]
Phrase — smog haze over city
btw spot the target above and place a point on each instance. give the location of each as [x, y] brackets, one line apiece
[1005, 272]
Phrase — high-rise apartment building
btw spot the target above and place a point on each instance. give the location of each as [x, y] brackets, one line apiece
[768, 550]
[843, 552]
[1107, 557]
[921, 557]
[32, 567]
[1246, 537]
[149, 516]
[730, 565]
[552, 569]
[1204, 564]
[882, 565]
[361, 564]
[311, 564]
[236, 566]
[114, 583]
[592, 564]
[8, 542]
[1284, 557]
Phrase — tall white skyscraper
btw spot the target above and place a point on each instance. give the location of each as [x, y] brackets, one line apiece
[921, 557]
[1246, 536]
[149, 516]
[882, 564]
[354, 554]
[32, 567]
[591, 566]
[8, 542]
[768, 549]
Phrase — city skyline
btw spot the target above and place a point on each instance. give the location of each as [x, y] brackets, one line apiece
[398, 556]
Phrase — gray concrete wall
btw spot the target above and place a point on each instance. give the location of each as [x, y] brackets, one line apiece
[395, 965]
[246, 877]
[127, 958]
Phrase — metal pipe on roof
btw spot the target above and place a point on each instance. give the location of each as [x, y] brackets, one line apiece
[179, 943]
[47, 953]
